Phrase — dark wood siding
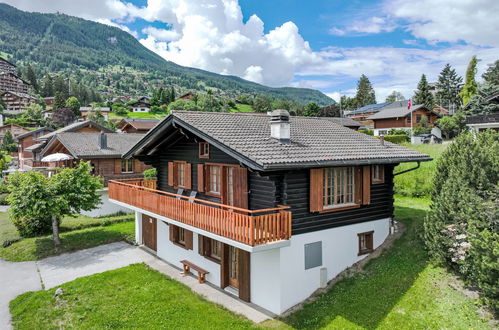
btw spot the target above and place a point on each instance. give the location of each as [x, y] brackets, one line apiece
[296, 184]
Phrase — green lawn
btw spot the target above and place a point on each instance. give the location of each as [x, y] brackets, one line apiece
[243, 108]
[400, 289]
[138, 115]
[76, 233]
[134, 297]
[418, 183]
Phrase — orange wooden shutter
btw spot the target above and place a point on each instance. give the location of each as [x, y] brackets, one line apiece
[366, 185]
[173, 231]
[316, 189]
[200, 177]
[117, 166]
[188, 239]
[358, 185]
[170, 173]
[188, 176]
[240, 187]
[201, 245]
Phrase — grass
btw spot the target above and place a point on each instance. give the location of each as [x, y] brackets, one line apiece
[138, 115]
[134, 297]
[243, 108]
[399, 288]
[418, 183]
[76, 233]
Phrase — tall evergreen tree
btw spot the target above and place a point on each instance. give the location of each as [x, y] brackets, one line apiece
[365, 92]
[48, 86]
[423, 94]
[395, 96]
[32, 79]
[491, 76]
[172, 94]
[470, 87]
[59, 101]
[448, 86]
[60, 86]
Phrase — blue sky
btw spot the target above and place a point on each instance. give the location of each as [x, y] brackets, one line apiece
[319, 44]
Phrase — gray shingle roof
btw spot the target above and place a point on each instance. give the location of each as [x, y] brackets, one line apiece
[73, 127]
[86, 145]
[314, 141]
[395, 112]
[343, 121]
[22, 136]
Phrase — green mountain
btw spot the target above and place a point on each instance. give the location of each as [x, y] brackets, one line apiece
[112, 61]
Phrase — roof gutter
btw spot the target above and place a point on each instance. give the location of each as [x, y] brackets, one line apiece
[409, 170]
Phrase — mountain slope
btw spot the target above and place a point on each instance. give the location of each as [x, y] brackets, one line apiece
[57, 42]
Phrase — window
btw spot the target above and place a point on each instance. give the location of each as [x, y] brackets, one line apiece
[382, 132]
[409, 118]
[181, 237]
[204, 150]
[126, 166]
[418, 118]
[365, 242]
[377, 174]
[339, 187]
[180, 174]
[214, 179]
[210, 248]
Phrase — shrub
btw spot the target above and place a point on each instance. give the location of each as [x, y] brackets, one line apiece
[399, 132]
[396, 138]
[367, 131]
[150, 173]
[462, 229]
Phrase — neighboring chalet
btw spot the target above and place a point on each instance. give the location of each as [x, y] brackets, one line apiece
[7, 67]
[268, 208]
[140, 126]
[49, 101]
[14, 129]
[187, 96]
[12, 83]
[479, 123]
[31, 144]
[85, 111]
[344, 121]
[363, 113]
[16, 102]
[401, 117]
[141, 105]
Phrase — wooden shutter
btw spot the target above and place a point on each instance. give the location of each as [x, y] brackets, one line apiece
[244, 275]
[224, 266]
[200, 177]
[240, 187]
[117, 166]
[201, 245]
[188, 239]
[188, 176]
[358, 185]
[173, 232]
[369, 240]
[366, 185]
[170, 173]
[316, 189]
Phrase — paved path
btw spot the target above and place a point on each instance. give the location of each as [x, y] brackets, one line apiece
[19, 277]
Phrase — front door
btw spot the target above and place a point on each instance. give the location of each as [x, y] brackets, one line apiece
[149, 232]
[234, 267]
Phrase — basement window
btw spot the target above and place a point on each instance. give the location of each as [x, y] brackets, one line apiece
[365, 242]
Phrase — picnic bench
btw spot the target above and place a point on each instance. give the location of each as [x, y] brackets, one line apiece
[201, 272]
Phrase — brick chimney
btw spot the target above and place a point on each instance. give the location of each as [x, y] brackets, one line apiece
[280, 128]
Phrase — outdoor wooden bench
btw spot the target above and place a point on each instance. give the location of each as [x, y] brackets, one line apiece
[201, 272]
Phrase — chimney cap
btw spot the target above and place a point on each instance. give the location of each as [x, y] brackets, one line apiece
[280, 114]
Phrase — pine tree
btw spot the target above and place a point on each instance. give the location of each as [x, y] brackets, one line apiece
[470, 87]
[448, 87]
[395, 96]
[59, 100]
[172, 94]
[31, 77]
[423, 94]
[491, 76]
[365, 92]
[48, 86]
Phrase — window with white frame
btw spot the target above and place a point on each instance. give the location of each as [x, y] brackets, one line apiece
[126, 166]
[339, 187]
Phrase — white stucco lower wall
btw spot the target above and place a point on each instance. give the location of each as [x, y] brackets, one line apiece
[278, 277]
[106, 207]
[173, 254]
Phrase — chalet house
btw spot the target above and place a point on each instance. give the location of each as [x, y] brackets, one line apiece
[362, 114]
[480, 123]
[9, 82]
[140, 126]
[344, 121]
[187, 96]
[141, 105]
[14, 129]
[86, 110]
[401, 118]
[27, 144]
[31, 144]
[16, 102]
[7, 67]
[49, 101]
[268, 208]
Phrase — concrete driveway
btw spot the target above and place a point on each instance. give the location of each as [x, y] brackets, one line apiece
[19, 277]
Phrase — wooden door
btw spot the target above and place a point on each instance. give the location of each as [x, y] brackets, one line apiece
[149, 232]
[233, 267]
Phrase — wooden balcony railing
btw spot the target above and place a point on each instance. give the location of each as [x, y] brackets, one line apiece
[251, 227]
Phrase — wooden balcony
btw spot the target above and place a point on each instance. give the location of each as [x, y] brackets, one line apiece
[251, 227]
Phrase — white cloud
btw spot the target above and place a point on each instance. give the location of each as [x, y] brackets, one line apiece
[473, 21]
[161, 34]
[120, 26]
[370, 25]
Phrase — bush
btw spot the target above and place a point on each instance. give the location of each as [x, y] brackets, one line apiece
[399, 132]
[396, 138]
[367, 131]
[150, 173]
[462, 229]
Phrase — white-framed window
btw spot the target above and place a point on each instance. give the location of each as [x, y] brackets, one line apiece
[339, 187]
[378, 174]
[214, 179]
[127, 166]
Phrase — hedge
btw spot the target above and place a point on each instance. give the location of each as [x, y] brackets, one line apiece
[396, 138]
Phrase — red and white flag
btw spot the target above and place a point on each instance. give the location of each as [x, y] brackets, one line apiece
[409, 102]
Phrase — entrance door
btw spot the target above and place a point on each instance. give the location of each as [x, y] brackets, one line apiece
[234, 267]
[149, 232]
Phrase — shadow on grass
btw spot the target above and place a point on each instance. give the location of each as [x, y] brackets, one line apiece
[365, 299]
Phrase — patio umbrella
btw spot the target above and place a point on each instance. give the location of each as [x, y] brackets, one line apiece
[56, 157]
